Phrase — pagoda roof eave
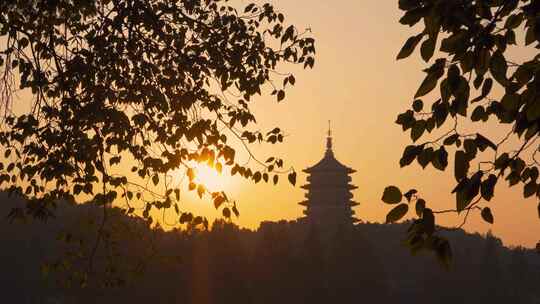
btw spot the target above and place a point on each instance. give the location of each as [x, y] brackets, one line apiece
[314, 169]
[346, 186]
[329, 164]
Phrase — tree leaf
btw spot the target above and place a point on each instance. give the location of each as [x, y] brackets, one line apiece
[430, 82]
[511, 102]
[523, 74]
[409, 46]
[482, 142]
[114, 160]
[292, 80]
[427, 49]
[409, 154]
[249, 7]
[226, 212]
[292, 178]
[486, 215]
[280, 95]
[288, 35]
[440, 159]
[418, 105]
[418, 129]
[488, 187]
[197, 220]
[257, 176]
[425, 157]
[513, 21]
[462, 199]
[486, 89]
[191, 174]
[186, 217]
[201, 190]
[428, 219]
[406, 120]
[397, 213]
[392, 195]
[218, 201]
[409, 194]
[235, 211]
[532, 110]
[452, 43]
[530, 189]
[411, 17]
[450, 140]
[498, 67]
[461, 165]
[420, 206]
[478, 114]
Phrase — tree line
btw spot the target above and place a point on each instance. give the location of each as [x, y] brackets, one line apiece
[280, 262]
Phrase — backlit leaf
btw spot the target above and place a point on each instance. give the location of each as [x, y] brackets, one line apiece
[418, 105]
[409, 194]
[498, 67]
[392, 195]
[530, 189]
[280, 95]
[461, 163]
[226, 212]
[397, 213]
[427, 49]
[292, 178]
[201, 190]
[409, 46]
[488, 187]
[486, 215]
[218, 201]
[235, 211]
[420, 206]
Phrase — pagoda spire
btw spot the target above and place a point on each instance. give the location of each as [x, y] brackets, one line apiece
[329, 140]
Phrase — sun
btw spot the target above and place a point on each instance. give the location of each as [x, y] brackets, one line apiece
[211, 178]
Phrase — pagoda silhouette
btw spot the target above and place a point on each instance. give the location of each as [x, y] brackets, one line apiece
[329, 196]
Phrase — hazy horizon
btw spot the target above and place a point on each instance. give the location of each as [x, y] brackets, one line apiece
[361, 88]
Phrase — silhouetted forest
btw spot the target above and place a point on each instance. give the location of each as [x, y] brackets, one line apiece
[284, 262]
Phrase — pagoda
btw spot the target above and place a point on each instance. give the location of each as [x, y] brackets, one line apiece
[329, 197]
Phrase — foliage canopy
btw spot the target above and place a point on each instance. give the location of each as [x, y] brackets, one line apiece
[153, 85]
[477, 81]
[135, 82]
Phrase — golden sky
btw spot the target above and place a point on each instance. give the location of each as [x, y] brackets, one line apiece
[358, 84]
[361, 88]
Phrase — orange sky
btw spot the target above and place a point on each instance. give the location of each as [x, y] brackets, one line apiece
[358, 85]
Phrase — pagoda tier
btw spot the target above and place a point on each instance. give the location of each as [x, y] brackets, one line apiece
[329, 196]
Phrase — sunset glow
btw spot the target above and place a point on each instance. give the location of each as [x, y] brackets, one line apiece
[211, 178]
[358, 84]
[270, 151]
